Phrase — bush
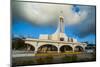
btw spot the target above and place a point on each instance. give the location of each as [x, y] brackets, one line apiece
[47, 59]
[69, 58]
[40, 60]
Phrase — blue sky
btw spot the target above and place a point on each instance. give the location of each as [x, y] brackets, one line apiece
[43, 19]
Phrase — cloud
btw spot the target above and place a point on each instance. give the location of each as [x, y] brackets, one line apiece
[87, 26]
[80, 19]
[45, 14]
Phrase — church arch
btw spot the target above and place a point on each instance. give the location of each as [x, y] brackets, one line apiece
[78, 49]
[65, 48]
[46, 48]
[29, 47]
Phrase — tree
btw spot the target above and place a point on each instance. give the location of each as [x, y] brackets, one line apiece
[18, 43]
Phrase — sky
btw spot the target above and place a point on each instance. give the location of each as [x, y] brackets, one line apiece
[32, 19]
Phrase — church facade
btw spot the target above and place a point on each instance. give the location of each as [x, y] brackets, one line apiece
[57, 42]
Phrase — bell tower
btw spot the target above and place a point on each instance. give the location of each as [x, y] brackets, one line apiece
[60, 34]
[61, 27]
[61, 24]
[61, 18]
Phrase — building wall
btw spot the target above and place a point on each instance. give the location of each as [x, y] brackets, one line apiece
[37, 44]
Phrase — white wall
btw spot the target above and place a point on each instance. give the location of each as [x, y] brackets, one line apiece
[5, 33]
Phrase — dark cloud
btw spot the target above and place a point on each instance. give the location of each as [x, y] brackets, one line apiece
[88, 26]
[82, 28]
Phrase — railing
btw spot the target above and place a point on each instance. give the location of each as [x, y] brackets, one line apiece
[41, 40]
[17, 53]
[22, 52]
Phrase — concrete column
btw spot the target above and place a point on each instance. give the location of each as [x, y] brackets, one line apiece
[83, 48]
[36, 48]
[58, 49]
[73, 49]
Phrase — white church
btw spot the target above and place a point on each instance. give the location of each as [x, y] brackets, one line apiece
[57, 42]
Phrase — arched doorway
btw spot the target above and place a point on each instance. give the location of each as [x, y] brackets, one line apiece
[66, 48]
[79, 49]
[47, 48]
